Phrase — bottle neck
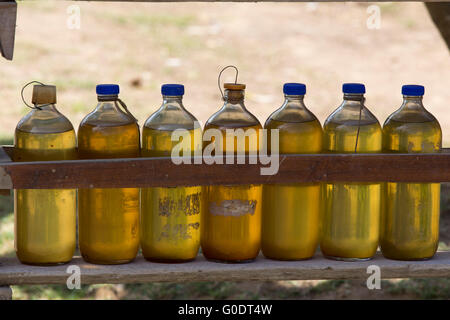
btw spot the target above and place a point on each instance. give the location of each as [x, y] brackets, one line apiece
[353, 101]
[296, 100]
[234, 100]
[172, 102]
[107, 103]
[412, 103]
[46, 107]
[107, 97]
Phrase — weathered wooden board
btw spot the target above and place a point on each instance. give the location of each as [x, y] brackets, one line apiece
[140, 271]
[162, 172]
[8, 15]
[263, 0]
[5, 179]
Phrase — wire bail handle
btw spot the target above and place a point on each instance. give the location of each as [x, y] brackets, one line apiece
[359, 122]
[220, 74]
[23, 99]
[124, 107]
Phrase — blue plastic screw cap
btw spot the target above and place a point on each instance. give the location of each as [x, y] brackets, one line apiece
[172, 90]
[107, 89]
[294, 89]
[413, 90]
[356, 88]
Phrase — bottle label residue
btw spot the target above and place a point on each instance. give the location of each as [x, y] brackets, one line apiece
[189, 205]
[235, 207]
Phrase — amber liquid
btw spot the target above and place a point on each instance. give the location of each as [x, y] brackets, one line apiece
[170, 217]
[410, 219]
[351, 221]
[108, 218]
[291, 212]
[45, 219]
[231, 217]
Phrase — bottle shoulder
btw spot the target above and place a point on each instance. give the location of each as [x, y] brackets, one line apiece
[291, 112]
[107, 114]
[44, 121]
[232, 118]
[411, 116]
[342, 117]
[169, 119]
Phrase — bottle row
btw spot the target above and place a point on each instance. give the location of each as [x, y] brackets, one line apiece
[231, 223]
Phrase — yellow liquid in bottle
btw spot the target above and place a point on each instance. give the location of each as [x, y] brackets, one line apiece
[45, 219]
[170, 217]
[351, 221]
[231, 218]
[108, 218]
[410, 219]
[291, 212]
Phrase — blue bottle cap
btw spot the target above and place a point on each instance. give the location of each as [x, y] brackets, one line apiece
[295, 89]
[172, 89]
[413, 90]
[357, 88]
[107, 89]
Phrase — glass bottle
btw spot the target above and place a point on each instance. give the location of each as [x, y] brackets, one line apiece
[108, 218]
[291, 212]
[45, 219]
[410, 219]
[170, 217]
[231, 217]
[350, 225]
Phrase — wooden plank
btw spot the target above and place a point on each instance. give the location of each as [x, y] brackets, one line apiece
[141, 271]
[440, 13]
[8, 15]
[162, 172]
[5, 180]
[5, 293]
[260, 0]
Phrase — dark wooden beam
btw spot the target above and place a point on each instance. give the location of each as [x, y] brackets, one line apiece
[440, 14]
[8, 15]
[162, 172]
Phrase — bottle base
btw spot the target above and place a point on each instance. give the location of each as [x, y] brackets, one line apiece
[109, 262]
[174, 261]
[288, 259]
[230, 261]
[43, 264]
[408, 259]
[347, 259]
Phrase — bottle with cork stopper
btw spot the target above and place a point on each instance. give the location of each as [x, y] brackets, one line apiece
[45, 219]
[231, 215]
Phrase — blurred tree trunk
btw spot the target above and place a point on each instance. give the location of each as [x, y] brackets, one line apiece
[440, 13]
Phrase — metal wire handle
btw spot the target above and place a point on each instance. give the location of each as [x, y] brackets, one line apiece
[23, 99]
[220, 74]
[359, 122]
[124, 106]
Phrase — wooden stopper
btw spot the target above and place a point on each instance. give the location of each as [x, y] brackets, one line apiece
[234, 86]
[43, 94]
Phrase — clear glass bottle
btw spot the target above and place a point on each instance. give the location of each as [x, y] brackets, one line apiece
[45, 219]
[291, 212]
[410, 219]
[108, 218]
[350, 225]
[231, 217]
[170, 217]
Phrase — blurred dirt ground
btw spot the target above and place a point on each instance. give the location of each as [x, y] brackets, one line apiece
[140, 46]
